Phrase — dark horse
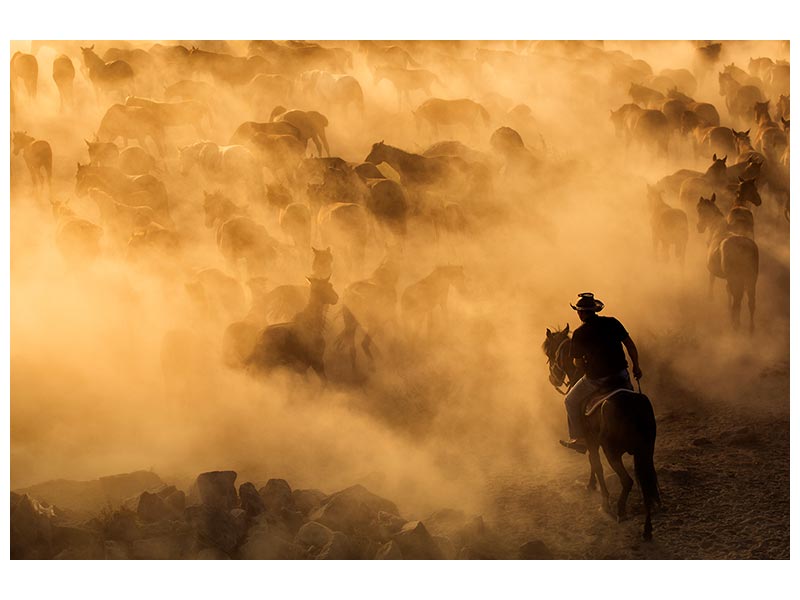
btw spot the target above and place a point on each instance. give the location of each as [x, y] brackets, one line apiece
[622, 421]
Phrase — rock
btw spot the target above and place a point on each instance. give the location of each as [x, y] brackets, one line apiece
[122, 526]
[313, 534]
[31, 531]
[446, 547]
[352, 510]
[386, 525]
[338, 547]
[460, 528]
[72, 537]
[216, 489]
[268, 542]
[292, 520]
[211, 554]
[307, 501]
[250, 499]
[469, 553]
[159, 548]
[389, 551]
[344, 514]
[277, 495]
[214, 527]
[152, 507]
[535, 550]
[176, 500]
[90, 497]
[241, 519]
[116, 550]
[416, 543]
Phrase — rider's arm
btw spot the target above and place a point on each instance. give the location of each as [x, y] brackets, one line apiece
[634, 354]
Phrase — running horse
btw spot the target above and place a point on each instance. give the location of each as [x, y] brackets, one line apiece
[616, 420]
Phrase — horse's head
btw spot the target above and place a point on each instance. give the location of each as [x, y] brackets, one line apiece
[748, 192]
[707, 211]
[761, 112]
[553, 341]
[322, 291]
[323, 260]
[753, 168]
[742, 140]
[20, 140]
[785, 123]
[726, 83]
[377, 154]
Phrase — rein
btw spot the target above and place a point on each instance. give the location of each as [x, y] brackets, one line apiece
[560, 372]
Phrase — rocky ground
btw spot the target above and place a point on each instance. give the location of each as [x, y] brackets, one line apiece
[724, 477]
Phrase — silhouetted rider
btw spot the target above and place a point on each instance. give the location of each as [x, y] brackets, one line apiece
[596, 346]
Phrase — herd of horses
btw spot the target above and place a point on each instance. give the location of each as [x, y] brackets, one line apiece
[200, 145]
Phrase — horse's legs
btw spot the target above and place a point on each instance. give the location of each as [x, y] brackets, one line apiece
[751, 304]
[315, 139]
[615, 460]
[597, 470]
[735, 294]
[710, 286]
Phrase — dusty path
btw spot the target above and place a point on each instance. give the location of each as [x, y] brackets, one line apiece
[724, 476]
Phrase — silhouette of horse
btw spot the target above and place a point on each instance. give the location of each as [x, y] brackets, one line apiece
[115, 76]
[438, 172]
[232, 166]
[77, 240]
[420, 299]
[740, 219]
[309, 123]
[406, 81]
[64, 76]
[38, 157]
[299, 344]
[739, 99]
[176, 114]
[770, 138]
[295, 222]
[25, 67]
[138, 190]
[450, 113]
[239, 238]
[619, 422]
[670, 226]
[731, 257]
[131, 122]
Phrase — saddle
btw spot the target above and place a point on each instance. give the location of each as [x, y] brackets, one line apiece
[611, 387]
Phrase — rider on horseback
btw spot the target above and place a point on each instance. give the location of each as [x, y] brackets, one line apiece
[597, 346]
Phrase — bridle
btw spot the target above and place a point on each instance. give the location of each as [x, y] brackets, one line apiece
[558, 375]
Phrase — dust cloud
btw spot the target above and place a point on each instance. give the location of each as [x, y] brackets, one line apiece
[116, 366]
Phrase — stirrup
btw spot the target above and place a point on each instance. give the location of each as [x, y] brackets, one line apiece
[574, 445]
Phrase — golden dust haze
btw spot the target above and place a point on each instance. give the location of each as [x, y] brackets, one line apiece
[95, 390]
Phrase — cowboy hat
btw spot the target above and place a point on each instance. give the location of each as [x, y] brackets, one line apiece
[588, 302]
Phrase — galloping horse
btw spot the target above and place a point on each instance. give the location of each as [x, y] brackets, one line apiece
[619, 422]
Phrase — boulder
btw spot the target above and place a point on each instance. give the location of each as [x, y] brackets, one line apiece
[78, 540]
[338, 547]
[535, 550]
[251, 500]
[121, 526]
[241, 519]
[31, 531]
[152, 507]
[446, 547]
[416, 543]
[176, 500]
[113, 550]
[313, 534]
[358, 493]
[214, 527]
[211, 554]
[268, 542]
[291, 520]
[216, 489]
[158, 548]
[90, 497]
[344, 514]
[307, 501]
[389, 551]
[277, 495]
[386, 525]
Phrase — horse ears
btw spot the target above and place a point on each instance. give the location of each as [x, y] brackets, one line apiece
[714, 157]
[549, 333]
[327, 279]
[714, 197]
[740, 179]
[725, 158]
[328, 249]
[747, 132]
[567, 329]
